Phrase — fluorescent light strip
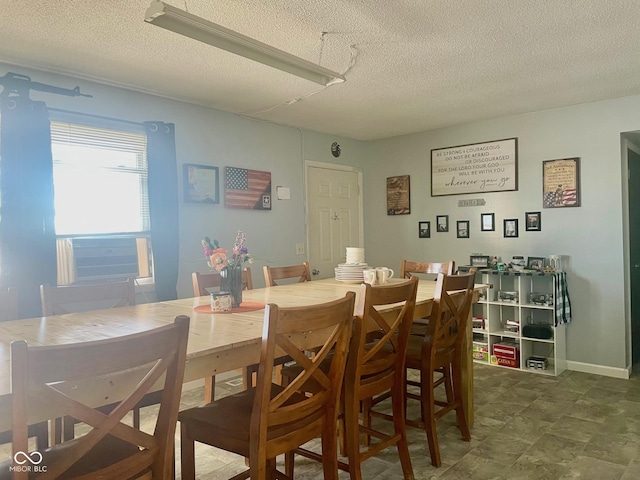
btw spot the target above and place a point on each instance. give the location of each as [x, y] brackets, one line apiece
[192, 26]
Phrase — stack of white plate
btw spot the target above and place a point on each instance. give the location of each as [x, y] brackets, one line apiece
[350, 273]
[355, 256]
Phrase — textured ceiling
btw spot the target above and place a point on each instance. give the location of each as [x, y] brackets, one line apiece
[410, 65]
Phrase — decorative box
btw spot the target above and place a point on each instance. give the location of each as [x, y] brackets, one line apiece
[505, 350]
[507, 362]
[507, 297]
[478, 322]
[482, 356]
[221, 302]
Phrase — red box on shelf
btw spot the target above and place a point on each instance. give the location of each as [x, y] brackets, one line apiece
[508, 362]
[508, 351]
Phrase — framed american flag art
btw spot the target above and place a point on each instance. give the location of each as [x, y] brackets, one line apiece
[245, 188]
[561, 183]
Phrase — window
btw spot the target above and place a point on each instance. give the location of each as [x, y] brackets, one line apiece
[100, 180]
[101, 201]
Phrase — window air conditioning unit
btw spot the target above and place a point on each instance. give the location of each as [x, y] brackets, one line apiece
[102, 260]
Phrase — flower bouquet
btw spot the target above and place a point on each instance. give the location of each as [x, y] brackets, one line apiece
[230, 267]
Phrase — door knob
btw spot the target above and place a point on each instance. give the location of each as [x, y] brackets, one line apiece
[315, 272]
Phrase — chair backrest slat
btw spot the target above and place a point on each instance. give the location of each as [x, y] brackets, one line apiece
[301, 272]
[63, 299]
[407, 268]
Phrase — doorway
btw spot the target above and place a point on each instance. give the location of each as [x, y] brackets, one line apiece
[334, 213]
[633, 157]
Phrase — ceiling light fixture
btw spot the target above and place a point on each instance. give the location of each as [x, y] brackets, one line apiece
[192, 26]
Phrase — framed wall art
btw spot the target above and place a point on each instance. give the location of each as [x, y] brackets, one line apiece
[442, 223]
[532, 222]
[200, 183]
[424, 229]
[475, 168]
[244, 188]
[561, 183]
[398, 195]
[535, 263]
[462, 228]
[487, 222]
[510, 227]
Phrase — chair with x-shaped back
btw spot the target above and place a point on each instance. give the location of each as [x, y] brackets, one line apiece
[300, 272]
[113, 450]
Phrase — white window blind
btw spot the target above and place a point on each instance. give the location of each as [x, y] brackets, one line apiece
[100, 180]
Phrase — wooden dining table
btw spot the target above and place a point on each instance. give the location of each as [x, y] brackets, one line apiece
[218, 342]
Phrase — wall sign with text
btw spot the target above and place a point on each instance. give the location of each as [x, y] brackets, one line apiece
[475, 168]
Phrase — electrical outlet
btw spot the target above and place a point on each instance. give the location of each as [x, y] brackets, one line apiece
[299, 248]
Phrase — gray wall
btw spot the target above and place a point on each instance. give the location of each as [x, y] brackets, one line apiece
[591, 235]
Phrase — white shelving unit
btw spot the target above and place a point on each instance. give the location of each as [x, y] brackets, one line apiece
[499, 318]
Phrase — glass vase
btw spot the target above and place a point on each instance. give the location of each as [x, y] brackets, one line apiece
[231, 281]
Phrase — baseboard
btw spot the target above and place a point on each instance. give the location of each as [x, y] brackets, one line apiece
[599, 369]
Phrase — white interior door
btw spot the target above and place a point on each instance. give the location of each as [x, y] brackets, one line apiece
[335, 217]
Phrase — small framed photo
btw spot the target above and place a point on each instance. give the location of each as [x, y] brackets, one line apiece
[463, 228]
[535, 263]
[424, 229]
[200, 183]
[487, 222]
[479, 261]
[532, 222]
[442, 223]
[510, 227]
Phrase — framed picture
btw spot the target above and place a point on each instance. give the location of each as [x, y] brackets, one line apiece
[442, 223]
[248, 189]
[462, 227]
[200, 183]
[532, 222]
[475, 168]
[398, 195]
[487, 222]
[479, 261]
[510, 227]
[424, 229]
[535, 263]
[561, 183]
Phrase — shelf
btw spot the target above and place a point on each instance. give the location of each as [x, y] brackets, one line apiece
[496, 313]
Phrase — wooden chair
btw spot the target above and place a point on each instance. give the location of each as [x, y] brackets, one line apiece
[112, 449]
[203, 281]
[281, 273]
[267, 420]
[64, 299]
[374, 368]
[424, 270]
[9, 311]
[56, 300]
[440, 351]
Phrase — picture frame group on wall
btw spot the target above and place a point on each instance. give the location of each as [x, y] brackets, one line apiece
[533, 221]
[442, 223]
[462, 228]
[424, 229]
[510, 226]
[487, 222]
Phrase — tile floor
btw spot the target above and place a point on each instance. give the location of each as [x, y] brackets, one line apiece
[527, 426]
